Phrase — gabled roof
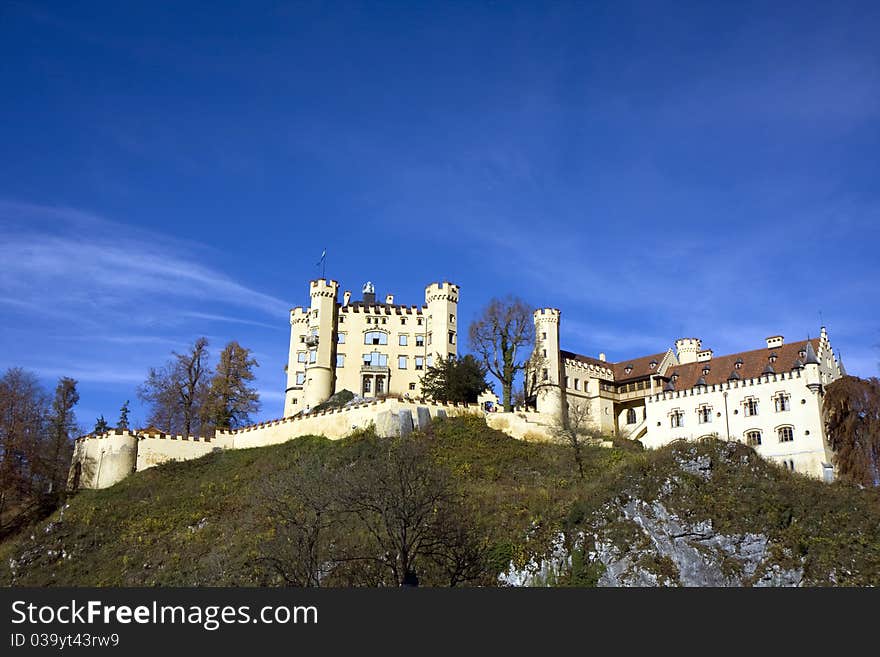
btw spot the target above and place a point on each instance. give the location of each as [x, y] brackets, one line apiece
[641, 367]
[570, 355]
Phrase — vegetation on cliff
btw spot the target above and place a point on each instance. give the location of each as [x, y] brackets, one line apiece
[476, 508]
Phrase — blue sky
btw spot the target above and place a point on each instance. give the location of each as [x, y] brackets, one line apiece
[654, 171]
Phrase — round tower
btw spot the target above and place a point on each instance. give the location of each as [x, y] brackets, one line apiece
[546, 372]
[441, 300]
[320, 342]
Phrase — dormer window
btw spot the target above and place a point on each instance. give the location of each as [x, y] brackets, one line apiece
[773, 357]
[802, 353]
[652, 364]
[705, 370]
[628, 369]
[675, 377]
[738, 364]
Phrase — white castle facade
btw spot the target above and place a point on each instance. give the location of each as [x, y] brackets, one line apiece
[769, 398]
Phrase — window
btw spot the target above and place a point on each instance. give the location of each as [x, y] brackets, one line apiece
[340, 360]
[375, 359]
[384, 321]
[380, 385]
[543, 336]
[402, 340]
[566, 382]
[430, 340]
[577, 384]
[368, 383]
[430, 361]
[419, 321]
[420, 363]
[705, 414]
[300, 378]
[342, 319]
[403, 321]
[313, 355]
[300, 357]
[544, 353]
[451, 337]
[783, 402]
[751, 407]
[401, 362]
[375, 337]
[420, 340]
[302, 338]
[631, 416]
[340, 338]
[676, 419]
[452, 319]
[544, 374]
[786, 434]
[412, 386]
[753, 438]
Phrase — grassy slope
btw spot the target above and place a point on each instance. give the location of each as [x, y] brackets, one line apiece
[199, 522]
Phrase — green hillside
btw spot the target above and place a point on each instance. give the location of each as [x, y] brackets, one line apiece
[689, 514]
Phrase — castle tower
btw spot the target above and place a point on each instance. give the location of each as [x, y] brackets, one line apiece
[687, 349]
[320, 341]
[547, 377]
[442, 337]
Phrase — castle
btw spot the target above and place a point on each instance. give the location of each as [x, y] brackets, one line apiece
[770, 398]
[369, 348]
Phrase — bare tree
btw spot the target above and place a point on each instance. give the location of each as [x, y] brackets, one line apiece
[23, 410]
[406, 504]
[573, 427]
[303, 506]
[500, 336]
[178, 391]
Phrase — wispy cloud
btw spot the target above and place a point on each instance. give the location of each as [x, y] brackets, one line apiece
[233, 320]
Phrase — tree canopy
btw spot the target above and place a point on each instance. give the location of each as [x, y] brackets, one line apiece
[502, 336]
[455, 379]
[852, 424]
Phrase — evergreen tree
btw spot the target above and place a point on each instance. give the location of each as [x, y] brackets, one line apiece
[101, 426]
[231, 399]
[123, 416]
[455, 380]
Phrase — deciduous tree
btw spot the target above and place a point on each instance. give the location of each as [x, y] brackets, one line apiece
[851, 410]
[232, 400]
[502, 337]
[61, 430]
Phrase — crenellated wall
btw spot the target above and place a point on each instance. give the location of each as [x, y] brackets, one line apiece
[103, 460]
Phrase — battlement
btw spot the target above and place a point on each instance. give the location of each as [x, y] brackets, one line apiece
[444, 291]
[547, 315]
[727, 385]
[137, 435]
[323, 287]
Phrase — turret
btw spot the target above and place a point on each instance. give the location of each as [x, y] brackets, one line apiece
[320, 342]
[687, 349]
[547, 375]
[811, 368]
[441, 300]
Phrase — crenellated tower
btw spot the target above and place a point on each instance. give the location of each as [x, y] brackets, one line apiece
[441, 301]
[546, 376]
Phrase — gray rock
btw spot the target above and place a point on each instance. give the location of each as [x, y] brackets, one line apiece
[423, 417]
[405, 421]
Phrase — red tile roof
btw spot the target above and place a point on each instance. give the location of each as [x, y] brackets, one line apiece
[641, 367]
[753, 364]
[570, 355]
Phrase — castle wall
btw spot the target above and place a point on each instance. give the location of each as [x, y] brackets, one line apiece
[153, 449]
[101, 461]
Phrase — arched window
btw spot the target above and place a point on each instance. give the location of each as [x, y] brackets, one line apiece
[375, 337]
[786, 434]
[753, 438]
[631, 416]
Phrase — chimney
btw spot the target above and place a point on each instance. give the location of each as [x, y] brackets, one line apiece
[704, 355]
[389, 299]
[346, 297]
[369, 291]
[602, 356]
[775, 341]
